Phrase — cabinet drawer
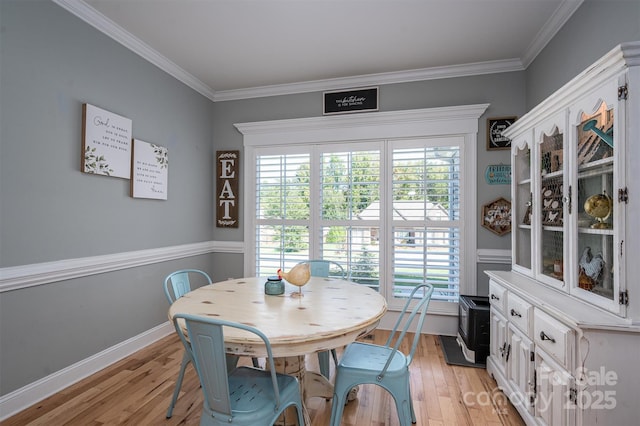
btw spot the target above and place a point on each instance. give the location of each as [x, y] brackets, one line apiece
[553, 337]
[520, 313]
[498, 297]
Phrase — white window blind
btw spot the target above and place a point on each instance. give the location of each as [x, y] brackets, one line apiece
[349, 222]
[426, 219]
[283, 213]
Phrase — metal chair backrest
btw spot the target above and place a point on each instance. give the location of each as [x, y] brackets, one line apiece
[420, 310]
[177, 283]
[206, 343]
[325, 268]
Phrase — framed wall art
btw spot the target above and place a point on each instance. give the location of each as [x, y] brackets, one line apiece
[106, 143]
[495, 127]
[149, 171]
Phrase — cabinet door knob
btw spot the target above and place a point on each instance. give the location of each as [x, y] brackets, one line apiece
[514, 313]
[494, 297]
[544, 336]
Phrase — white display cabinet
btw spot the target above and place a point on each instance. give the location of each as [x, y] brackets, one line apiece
[566, 319]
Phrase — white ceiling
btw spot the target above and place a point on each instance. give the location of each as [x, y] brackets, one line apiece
[230, 49]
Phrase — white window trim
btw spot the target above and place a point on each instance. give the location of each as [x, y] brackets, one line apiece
[417, 123]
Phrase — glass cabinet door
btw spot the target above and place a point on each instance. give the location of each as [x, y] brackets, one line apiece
[550, 208]
[595, 207]
[522, 209]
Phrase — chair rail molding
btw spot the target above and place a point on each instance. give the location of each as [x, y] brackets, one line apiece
[24, 276]
[493, 256]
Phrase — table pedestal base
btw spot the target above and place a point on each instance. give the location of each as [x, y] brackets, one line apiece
[313, 385]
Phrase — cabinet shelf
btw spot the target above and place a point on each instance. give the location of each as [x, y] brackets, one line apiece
[595, 231]
[603, 163]
[552, 175]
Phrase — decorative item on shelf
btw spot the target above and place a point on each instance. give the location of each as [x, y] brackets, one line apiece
[595, 136]
[299, 275]
[496, 216]
[599, 207]
[527, 215]
[552, 205]
[274, 286]
[590, 269]
[556, 160]
[558, 269]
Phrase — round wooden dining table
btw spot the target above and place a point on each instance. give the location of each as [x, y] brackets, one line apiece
[329, 314]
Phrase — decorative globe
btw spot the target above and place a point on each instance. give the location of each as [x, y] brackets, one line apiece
[599, 207]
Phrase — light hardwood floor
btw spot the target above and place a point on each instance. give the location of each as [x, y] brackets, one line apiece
[137, 391]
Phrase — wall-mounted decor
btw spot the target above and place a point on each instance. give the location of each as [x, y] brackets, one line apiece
[498, 174]
[106, 143]
[227, 180]
[348, 101]
[496, 216]
[149, 171]
[495, 127]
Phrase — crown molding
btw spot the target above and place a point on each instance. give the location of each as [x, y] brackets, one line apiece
[479, 68]
[103, 24]
[561, 15]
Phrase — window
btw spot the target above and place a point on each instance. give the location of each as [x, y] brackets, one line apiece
[425, 217]
[392, 210]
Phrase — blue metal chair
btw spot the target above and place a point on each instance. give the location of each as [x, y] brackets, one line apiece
[176, 285]
[385, 366]
[326, 268]
[245, 395]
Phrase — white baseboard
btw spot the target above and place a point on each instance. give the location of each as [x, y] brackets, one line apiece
[16, 401]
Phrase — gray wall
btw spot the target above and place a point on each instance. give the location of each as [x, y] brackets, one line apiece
[593, 30]
[51, 62]
[505, 93]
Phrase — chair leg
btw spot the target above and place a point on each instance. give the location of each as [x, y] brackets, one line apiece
[404, 405]
[183, 366]
[339, 400]
[335, 357]
[255, 362]
[323, 361]
[300, 414]
[413, 413]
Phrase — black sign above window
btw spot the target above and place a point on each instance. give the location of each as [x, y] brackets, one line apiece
[347, 101]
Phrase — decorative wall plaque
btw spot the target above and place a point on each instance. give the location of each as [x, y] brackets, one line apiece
[227, 180]
[495, 127]
[496, 216]
[498, 174]
[345, 101]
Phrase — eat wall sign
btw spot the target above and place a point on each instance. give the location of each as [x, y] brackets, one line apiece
[227, 174]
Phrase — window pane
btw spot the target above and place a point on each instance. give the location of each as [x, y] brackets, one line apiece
[426, 193]
[426, 183]
[427, 255]
[356, 249]
[283, 212]
[350, 213]
[283, 186]
[350, 183]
